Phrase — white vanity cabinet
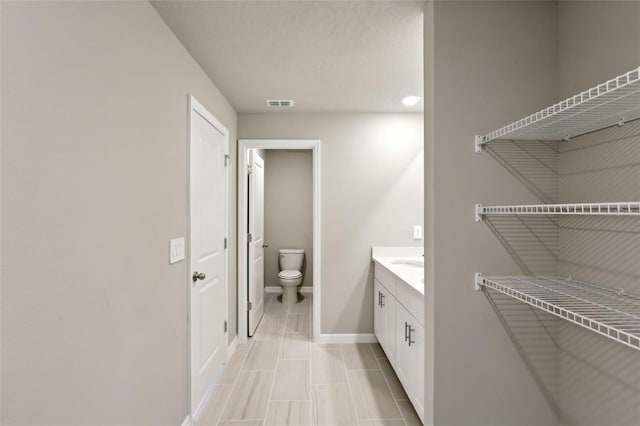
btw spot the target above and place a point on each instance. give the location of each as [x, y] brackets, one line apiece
[400, 334]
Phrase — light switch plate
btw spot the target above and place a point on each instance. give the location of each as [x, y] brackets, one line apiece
[176, 250]
[417, 232]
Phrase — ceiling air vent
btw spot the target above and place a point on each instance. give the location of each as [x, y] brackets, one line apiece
[278, 103]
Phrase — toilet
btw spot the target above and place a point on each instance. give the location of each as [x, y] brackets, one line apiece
[290, 277]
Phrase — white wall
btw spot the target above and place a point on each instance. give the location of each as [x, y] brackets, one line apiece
[94, 184]
[487, 64]
[371, 195]
[288, 209]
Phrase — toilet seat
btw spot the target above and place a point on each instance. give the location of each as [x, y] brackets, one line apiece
[290, 275]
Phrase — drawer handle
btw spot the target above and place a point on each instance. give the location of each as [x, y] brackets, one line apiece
[382, 300]
[379, 302]
[406, 335]
[411, 330]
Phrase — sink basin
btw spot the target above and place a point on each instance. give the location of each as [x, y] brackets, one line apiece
[409, 262]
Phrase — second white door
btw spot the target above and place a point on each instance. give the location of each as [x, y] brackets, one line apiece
[255, 291]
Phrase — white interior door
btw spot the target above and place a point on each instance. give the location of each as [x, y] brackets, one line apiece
[256, 241]
[208, 210]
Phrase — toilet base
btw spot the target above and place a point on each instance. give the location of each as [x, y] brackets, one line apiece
[290, 298]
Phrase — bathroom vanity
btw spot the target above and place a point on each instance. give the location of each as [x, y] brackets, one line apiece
[399, 315]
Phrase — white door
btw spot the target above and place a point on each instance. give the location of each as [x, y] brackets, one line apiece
[208, 210]
[256, 241]
[389, 310]
[403, 362]
[378, 315]
[416, 350]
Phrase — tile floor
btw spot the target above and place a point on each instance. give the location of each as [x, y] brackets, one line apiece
[279, 377]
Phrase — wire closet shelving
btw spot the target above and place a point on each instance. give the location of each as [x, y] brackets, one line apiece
[597, 209]
[613, 102]
[608, 312]
[611, 313]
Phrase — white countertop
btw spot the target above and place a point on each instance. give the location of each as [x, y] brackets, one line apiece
[401, 261]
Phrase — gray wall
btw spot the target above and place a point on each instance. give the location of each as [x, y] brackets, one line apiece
[371, 195]
[599, 379]
[487, 64]
[429, 210]
[288, 209]
[597, 41]
[94, 184]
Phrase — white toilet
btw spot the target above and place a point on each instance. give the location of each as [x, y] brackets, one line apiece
[290, 276]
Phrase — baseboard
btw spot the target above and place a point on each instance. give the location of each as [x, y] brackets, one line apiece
[277, 289]
[230, 351]
[348, 338]
[232, 347]
[195, 416]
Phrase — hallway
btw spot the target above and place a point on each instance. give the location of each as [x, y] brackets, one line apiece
[279, 377]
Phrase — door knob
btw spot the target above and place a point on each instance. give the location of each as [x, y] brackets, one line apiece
[198, 276]
[265, 245]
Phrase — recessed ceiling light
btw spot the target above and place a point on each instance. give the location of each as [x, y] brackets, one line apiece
[411, 100]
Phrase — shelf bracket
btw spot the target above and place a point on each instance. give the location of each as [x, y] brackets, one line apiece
[478, 142]
[479, 213]
[477, 284]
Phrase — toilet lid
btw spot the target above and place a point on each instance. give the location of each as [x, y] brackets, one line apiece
[290, 274]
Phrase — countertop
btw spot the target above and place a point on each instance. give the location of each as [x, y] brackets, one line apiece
[401, 261]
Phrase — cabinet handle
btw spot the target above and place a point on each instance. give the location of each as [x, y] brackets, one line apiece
[406, 336]
[382, 300]
[379, 303]
[410, 331]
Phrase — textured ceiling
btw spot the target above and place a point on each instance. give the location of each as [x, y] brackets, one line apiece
[329, 56]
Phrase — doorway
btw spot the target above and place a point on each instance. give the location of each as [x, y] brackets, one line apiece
[247, 254]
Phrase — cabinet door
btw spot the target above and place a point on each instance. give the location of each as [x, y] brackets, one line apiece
[403, 362]
[416, 356]
[389, 310]
[378, 314]
[409, 364]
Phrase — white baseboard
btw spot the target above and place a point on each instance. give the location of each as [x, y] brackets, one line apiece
[230, 351]
[277, 289]
[195, 416]
[348, 338]
[232, 347]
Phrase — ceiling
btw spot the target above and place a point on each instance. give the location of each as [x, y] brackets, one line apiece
[328, 56]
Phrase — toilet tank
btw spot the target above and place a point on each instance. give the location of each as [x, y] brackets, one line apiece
[291, 259]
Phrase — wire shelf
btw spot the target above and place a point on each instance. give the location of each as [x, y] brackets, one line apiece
[610, 103]
[610, 313]
[598, 209]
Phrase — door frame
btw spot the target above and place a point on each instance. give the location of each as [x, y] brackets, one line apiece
[197, 107]
[244, 145]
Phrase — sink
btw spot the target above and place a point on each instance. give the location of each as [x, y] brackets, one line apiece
[409, 262]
